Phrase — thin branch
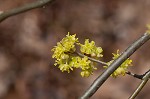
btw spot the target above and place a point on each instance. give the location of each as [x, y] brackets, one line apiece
[92, 59]
[135, 75]
[141, 85]
[27, 7]
[104, 76]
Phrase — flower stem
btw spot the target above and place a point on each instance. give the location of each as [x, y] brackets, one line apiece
[92, 59]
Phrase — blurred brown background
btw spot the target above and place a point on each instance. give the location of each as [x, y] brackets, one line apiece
[26, 40]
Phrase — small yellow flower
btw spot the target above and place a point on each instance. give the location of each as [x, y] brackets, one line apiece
[65, 67]
[89, 48]
[85, 73]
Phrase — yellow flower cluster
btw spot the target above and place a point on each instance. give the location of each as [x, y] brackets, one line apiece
[65, 56]
[89, 48]
[84, 64]
[65, 46]
[67, 59]
[122, 69]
